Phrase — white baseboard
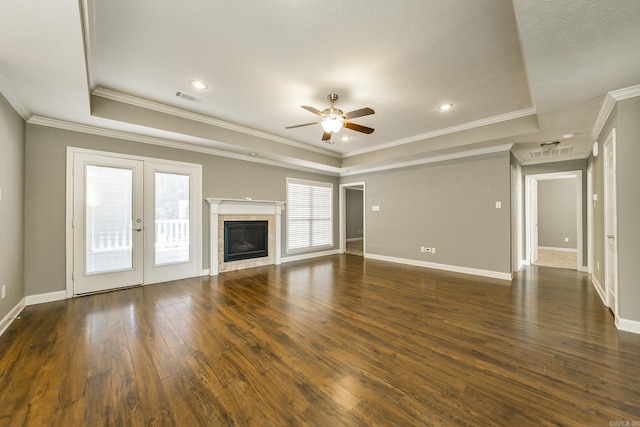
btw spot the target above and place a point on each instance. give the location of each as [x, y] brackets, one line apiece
[309, 255]
[10, 317]
[549, 248]
[584, 269]
[627, 325]
[524, 262]
[354, 239]
[599, 289]
[48, 297]
[204, 272]
[445, 267]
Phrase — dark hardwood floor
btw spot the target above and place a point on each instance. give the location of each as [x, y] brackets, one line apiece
[335, 341]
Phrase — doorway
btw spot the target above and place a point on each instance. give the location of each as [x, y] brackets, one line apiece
[131, 221]
[352, 219]
[554, 220]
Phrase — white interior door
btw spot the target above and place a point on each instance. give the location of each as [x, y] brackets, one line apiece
[107, 223]
[610, 225]
[173, 213]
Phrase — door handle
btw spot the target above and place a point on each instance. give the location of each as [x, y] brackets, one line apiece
[138, 229]
[611, 236]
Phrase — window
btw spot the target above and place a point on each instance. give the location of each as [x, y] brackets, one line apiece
[309, 215]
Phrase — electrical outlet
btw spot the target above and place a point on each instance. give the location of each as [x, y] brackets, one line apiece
[4, 291]
[566, 239]
[433, 250]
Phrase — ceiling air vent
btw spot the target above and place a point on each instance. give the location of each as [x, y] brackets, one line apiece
[188, 97]
[554, 152]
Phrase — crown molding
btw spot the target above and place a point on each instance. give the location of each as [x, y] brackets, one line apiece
[178, 112]
[427, 160]
[608, 103]
[127, 136]
[12, 99]
[446, 131]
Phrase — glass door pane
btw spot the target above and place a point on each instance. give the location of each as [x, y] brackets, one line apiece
[109, 219]
[172, 200]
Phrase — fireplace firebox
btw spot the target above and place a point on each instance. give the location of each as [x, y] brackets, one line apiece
[245, 240]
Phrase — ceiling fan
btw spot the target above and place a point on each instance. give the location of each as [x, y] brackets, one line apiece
[333, 119]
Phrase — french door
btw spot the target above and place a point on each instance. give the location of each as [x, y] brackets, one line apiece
[135, 221]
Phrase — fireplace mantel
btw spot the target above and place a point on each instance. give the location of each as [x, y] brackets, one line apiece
[219, 206]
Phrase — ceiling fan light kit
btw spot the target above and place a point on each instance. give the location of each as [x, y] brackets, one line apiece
[333, 119]
[332, 124]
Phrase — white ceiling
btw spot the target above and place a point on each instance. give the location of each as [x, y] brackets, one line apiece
[521, 72]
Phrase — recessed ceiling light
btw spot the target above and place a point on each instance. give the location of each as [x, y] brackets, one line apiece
[568, 135]
[253, 154]
[445, 107]
[198, 84]
[345, 138]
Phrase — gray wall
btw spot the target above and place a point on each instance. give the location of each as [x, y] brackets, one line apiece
[625, 118]
[354, 227]
[45, 193]
[12, 142]
[628, 208]
[557, 200]
[447, 205]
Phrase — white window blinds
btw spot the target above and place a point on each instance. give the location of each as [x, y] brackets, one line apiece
[309, 215]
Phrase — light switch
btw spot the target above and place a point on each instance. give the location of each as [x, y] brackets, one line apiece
[375, 208]
[498, 205]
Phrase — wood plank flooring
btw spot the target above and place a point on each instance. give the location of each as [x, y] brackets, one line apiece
[335, 341]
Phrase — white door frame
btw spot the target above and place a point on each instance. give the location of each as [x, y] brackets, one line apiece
[69, 244]
[516, 217]
[610, 227]
[532, 204]
[343, 215]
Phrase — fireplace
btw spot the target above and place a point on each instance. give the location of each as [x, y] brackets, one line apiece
[245, 240]
[232, 210]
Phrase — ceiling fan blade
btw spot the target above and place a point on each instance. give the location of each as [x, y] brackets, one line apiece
[326, 136]
[304, 124]
[312, 110]
[358, 128]
[359, 113]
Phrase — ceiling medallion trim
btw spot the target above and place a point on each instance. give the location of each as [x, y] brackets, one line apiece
[446, 131]
[178, 112]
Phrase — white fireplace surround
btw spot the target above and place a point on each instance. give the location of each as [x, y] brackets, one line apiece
[218, 207]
